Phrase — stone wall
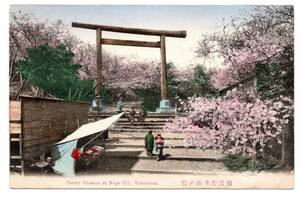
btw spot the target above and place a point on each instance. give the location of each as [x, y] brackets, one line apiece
[244, 86]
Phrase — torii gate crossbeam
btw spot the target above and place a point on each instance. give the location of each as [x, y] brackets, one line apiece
[159, 44]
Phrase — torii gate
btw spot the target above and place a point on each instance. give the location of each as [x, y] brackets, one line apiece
[164, 104]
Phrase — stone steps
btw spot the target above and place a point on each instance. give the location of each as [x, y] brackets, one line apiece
[147, 123]
[175, 161]
[137, 127]
[125, 149]
[140, 130]
[120, 130]
[125, 120]
[170, 154]
[156, 121]
[141, 135]
[125, 153]
[149, 115]
[146, 120]
[153, 121]
[139, 143]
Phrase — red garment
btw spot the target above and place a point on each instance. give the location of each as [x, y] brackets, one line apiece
[75, 154]
[159, 140]
[95, 150]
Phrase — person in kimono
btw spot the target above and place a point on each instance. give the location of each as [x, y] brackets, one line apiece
[159, 143]
[120, 105]
[132, 115]
[149, 143]
[142, 115]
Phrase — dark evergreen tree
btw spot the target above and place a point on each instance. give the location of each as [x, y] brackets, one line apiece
[201, 83]
[51, 69]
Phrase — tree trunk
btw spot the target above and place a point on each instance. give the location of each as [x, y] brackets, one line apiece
[20, 88]
[37, 92]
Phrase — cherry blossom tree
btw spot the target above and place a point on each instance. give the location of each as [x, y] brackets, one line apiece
[244, 124]
[121, 72]
[26, 32]
[262, 36]
[235, 124]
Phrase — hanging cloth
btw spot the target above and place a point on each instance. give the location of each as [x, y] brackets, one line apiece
[63, 162]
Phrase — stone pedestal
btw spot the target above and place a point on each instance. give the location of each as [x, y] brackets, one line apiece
[164, 107]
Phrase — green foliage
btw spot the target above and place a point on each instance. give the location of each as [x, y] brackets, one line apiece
[185, 89]
[273, 81]
[171, 82]
[241, 163]
[201, 83]
[105, 97]
[151, 98]
[51, 69]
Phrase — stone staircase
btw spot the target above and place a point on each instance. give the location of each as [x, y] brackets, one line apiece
[153, 121]
[125, 150]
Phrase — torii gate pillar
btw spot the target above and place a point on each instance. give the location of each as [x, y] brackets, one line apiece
[164, 105]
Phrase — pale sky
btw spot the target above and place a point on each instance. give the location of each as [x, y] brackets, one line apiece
[196, 20]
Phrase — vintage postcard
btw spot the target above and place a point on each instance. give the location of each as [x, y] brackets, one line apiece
[151, 96]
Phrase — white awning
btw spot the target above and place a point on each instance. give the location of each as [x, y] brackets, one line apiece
[91, 128]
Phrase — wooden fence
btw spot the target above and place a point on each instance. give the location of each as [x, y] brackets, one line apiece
[37, 123]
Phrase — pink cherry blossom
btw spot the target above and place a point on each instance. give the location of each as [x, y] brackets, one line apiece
[233, 124]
